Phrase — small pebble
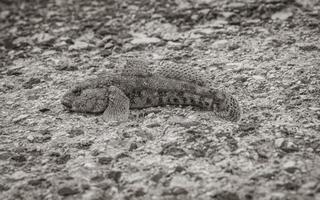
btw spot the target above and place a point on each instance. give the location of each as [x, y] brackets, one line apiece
[105, 160]
[19, 158]
[93, 194]
[133, 146]
[175, 191]
[308, 47]
[38, 181]
[279, 142]
[30, 138]
[173, 151]
[18, 175]
[153, 124]
[20, 118]
[226, 195]
[281, 15]
[31, 82]
[291, 147]
[290, 166]
[220, 44]
[75, 132]
[67, 191]
[187, 123]
[115, 175]
[63, 159]
[310, 185]
[5, 155]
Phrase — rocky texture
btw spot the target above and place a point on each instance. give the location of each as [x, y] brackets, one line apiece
[265, 56]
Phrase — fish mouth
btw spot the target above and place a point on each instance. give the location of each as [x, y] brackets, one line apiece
[66, 104]
[66, 101]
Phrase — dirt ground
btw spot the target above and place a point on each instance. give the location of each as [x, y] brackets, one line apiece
[266, 53]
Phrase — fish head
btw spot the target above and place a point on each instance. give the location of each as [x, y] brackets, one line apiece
[86, 99]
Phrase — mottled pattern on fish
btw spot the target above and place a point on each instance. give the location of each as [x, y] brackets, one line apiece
[134, 84]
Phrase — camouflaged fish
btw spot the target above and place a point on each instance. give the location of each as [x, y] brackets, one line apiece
[134, 85]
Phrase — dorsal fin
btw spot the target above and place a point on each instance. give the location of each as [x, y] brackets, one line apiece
[132, 67]
[118, 108]
[182, 72]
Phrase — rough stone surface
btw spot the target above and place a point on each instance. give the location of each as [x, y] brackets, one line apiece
[264, 53]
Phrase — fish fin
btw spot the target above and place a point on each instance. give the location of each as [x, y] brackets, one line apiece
[225, 105]
[133, 67]
[118, 107]
[182, 72]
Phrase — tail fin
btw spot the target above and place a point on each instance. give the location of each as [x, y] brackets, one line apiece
[226, 106]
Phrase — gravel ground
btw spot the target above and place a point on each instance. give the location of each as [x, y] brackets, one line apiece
[266, 53]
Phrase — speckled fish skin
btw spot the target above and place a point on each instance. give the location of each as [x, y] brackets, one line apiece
[149, 90]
